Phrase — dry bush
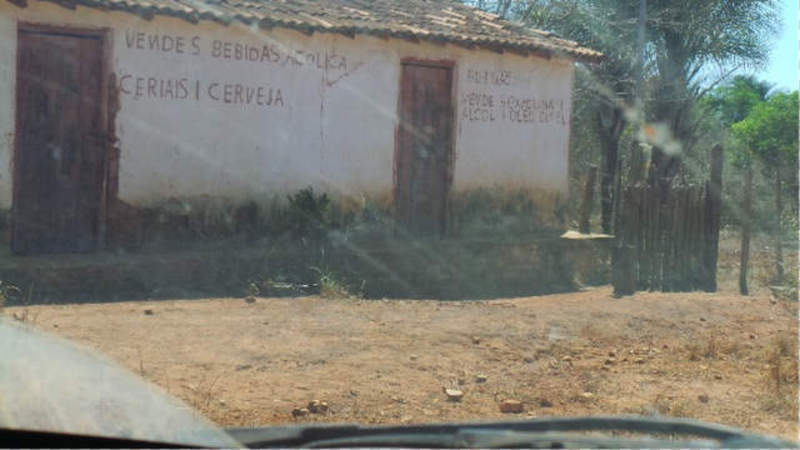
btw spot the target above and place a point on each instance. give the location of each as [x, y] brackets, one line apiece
[25, 316]
[597, 335]
[780, 376]
[331, 287]
[665, 405]
[713, 347]
[203, 395]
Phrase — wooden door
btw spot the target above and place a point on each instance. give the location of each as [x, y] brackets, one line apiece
[58, 160]
[424, 148]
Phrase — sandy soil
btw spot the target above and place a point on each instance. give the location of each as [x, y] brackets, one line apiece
[721, 358]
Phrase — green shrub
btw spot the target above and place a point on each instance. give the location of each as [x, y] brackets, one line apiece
[307, 214]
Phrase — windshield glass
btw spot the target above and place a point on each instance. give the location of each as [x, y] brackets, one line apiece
[398, 212]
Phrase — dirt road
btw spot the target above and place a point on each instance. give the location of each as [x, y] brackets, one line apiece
[719, 357]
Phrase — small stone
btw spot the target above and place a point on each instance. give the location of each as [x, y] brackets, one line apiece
[454, 395]
[587, 395]
[413, 357]
[317, 407]
[148, 312]
[639, 360]
[665, 346]
[567, 358]
[480, 378]
[545, 403]
[702, 319]
[476, 340]
[299, 412]
[222, 402]
[511, 407]
[703, 398]
[461, 381]
[752, 336]
[612, 353]
[55, 325]
[250, 299]
[528, 360]
[717, 377]
[610, 361]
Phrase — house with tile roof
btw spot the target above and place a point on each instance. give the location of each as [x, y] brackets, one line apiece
[113, 106]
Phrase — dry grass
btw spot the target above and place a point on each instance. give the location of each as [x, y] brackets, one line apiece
[761, 268]
[582, 353]
[780, 376]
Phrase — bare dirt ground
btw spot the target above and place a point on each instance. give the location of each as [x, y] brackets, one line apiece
[721, 357]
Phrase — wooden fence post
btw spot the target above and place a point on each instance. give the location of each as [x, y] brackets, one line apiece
[747, 217]
[588, 200]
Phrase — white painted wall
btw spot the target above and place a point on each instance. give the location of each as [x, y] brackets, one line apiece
[333, 127]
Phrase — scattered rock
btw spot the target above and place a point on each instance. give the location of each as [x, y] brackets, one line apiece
[148, 312]
[453, 395]
[752, 336]
[610, 361]
[528, 360]
[55, 325]
[222, 402]
[511, 407]
[639, 360]
[703, 398]
[567, 358]
[587, 395]
[702, 319]
[476, 340]
[545, 403]
[413, 357]
[612, 353]
[317, 407]
[250, 299]
[717, 377]
[299, 412]
[665, 346]
[243, 367]
[480, 378]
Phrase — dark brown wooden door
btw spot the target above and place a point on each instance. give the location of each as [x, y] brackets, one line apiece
[424, 147]
[58, 172]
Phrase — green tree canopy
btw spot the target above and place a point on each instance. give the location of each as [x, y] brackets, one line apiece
[733, 101]
[770, 130]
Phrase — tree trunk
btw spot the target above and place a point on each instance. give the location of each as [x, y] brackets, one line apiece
[712, 221]
[611, 126]
[588, 200]
[779, 213]
[747, 221]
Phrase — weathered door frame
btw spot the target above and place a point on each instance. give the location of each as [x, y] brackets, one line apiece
[104, 35]
[451, 152]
